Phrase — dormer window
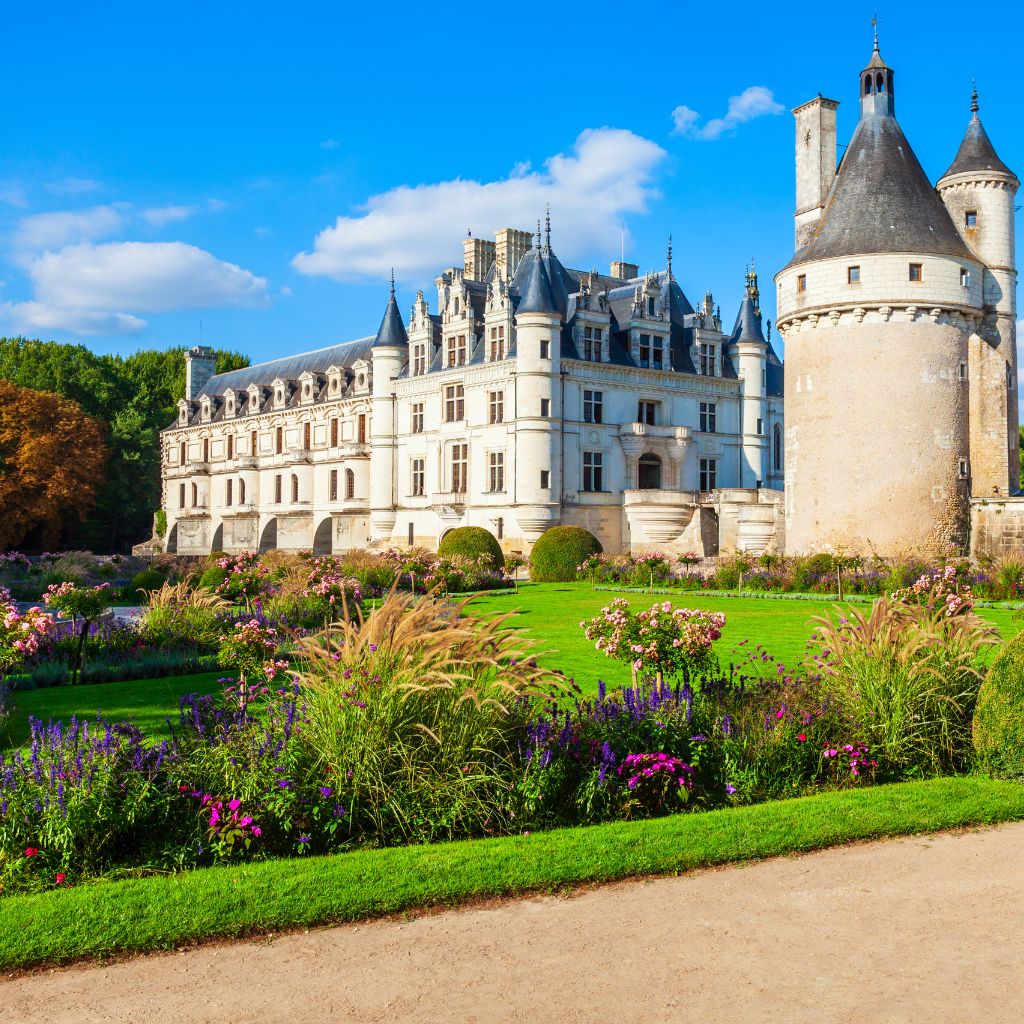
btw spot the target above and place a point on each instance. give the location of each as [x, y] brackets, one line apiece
[419, 360]
[456, 354]
[593, 340]
[456, 306]
[971, 219]
[306, 391]
[497, 343]
[853, 275]
[708, 360]
[650, 305]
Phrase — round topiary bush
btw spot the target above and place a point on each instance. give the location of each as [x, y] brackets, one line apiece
[999, 713]
[471, 542]
[559, 552]
[147, 579]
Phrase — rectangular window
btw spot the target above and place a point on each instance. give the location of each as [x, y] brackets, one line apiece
[963, 371]
[206, 449]
[417, 417]
[419, 360]
[295, 487]
[277, 488]
[647, 412]
[645, 350]
[801, 283]
[350, 484]
[971, 219]
[279, 440]
[708, 474]
[650, 305]
[708, 418]
[231, 446]
[916, 272]
[497, 343]
[496, 471]
[760, 426]
[181, 496]
[592, 342]
[228, 487]
[460, 468]
[417, 478]
[707, 361]
[495, 406]
[500, 528]
[334, 432]
[457, 350]
[362, 428]
[545, 479]
[545, 407]
[182, 454]
[657, 361]
[454, 402]
[307, 436]
[965, 278]
[853, 275]
[412, 534]
[545, 349]
[593, 407]
[963, 469]
[333, 493]
[593, 469]
[254, 444]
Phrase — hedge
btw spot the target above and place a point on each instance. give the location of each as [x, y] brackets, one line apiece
[999, 713]
[471, 542]
[559, 552]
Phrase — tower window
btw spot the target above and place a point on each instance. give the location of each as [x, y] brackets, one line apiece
[545, 407]
[545, 479]
[760, 426]
[916, 272]
[545, 349]
[965, 278]
[963, 371]
[963, 469]
[853, 275]
[801, 283]
[971, 219]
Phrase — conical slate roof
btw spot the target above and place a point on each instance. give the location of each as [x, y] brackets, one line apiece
[882, 201]
[976, 152]
[391, 333]
[748, 324]
[536, 295]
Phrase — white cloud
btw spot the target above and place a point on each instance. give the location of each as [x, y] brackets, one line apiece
[13, 195]
[73, 186]
[216, 205]
[419, 229]
[158, 216]
[754, 101]
[33, 317]
[61, 227]
[153, 277]
[330, 144]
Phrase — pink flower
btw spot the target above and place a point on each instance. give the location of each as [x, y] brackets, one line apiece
[802, 737]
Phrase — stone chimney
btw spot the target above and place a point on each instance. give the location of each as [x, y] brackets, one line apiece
[200, 364]
[815, 163]
[510, 247]
[624, 271]
[477, 257]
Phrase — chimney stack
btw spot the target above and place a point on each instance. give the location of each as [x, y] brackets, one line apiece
[200, 364]
[815, 163]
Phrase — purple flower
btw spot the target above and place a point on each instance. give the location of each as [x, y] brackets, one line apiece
[325, 791]
[304, 839]
[730, 789]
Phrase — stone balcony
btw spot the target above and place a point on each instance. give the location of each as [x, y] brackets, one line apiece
[658, 516]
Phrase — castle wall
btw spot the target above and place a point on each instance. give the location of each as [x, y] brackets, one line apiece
[997, 527]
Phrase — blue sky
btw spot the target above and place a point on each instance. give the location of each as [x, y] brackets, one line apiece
[256, 169]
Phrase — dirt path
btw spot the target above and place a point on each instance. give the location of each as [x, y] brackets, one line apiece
[913, 930]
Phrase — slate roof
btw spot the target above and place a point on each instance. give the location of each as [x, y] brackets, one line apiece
[536, 292]
[976, 152]
[391, 333]
[289, 367]
[882, 201]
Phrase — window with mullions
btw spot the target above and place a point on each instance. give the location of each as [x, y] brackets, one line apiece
[454, 402]
[593, 406]
[708, 417]
[496, 471]
[708, 474]
[593, 471]
[460, 468]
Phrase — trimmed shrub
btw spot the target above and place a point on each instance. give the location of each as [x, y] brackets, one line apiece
[999, 713]
[471, 542]
[212, 578]
[148, 579]
[559, 552]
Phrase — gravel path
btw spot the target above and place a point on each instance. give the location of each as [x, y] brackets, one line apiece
[910, 930]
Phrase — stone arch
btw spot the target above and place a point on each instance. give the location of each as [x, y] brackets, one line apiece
[268, 539]
[172, 540]
[218, 538]
[649, 471]
[323, 537]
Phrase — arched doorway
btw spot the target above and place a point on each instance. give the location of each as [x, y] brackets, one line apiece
[649, 473]
[172, 540]
[218, 539]
[268, 541]
[322, 539]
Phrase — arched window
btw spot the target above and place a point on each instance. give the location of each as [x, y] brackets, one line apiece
[867, 85]
[295, 487]
[879, 82]
[195, 495]
[777, 447]
[350, 484]
[241, 492]
[649, 473]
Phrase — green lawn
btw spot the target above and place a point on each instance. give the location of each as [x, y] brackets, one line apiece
[147, 702]
[553, 612]
[166, 911]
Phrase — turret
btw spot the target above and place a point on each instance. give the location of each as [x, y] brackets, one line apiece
[876, 87]
[389, 352]
[538, 322]
[749, 350]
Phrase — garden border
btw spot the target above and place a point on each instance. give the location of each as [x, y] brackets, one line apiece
[165, 912]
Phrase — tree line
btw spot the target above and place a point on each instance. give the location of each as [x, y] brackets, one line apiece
[80, 442]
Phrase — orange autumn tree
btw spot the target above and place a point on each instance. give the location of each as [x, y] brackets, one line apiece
[52, 458]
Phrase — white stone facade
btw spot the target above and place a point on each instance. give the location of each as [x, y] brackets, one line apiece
[620, 408]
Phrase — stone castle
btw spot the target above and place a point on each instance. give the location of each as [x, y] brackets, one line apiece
[537, 394]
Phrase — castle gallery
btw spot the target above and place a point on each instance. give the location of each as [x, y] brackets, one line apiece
[534, 394]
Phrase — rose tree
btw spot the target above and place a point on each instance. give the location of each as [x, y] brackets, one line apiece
[78, 603]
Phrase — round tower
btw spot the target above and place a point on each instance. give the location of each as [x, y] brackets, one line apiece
[390, 351]
[749, 350]
[978, 190]
[877, 309]
[538, 321]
